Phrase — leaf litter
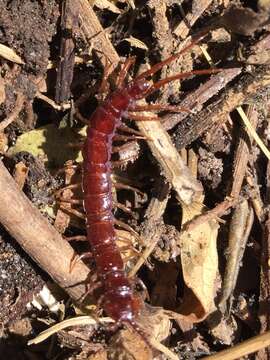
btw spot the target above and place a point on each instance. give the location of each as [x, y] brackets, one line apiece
[172, 215]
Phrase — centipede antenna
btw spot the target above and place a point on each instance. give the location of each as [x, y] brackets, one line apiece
[184, 75]
[155, 68]
[123, 72]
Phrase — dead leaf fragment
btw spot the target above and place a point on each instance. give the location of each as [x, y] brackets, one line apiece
[200, 265]
[9, 54]
[49, 143]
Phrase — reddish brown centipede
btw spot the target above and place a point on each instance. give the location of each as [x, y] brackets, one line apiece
[119, 301]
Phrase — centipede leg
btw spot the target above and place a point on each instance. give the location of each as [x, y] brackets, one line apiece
[129, 130]
[119, 137]
[125, 209]
[121, 186]
[91, 288]
[75, 238]
[119, 163]
[59, 192]
[76, 258]
[128, 228]
[121, 147]
[75, 212]
[159, 107]
[123, 73]
[71, 201]
[136, 117]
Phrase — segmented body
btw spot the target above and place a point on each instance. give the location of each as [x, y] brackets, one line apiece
[119, 301]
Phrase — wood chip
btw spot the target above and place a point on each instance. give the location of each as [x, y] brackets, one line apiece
[9, 54]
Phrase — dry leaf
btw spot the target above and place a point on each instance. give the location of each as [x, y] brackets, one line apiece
[9, 54]
[200, 265]
[49, 143]
[136, 43]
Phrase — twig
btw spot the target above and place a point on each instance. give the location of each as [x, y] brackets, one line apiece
[253, 133]
[95, 33]
[247, 87]
[38, 238]
[245, 348]
[65, 68]
[241, 156]
[198, 7]
[195, 100]
[240, 227]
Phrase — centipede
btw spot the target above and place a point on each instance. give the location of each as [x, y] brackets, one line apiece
[119, 301]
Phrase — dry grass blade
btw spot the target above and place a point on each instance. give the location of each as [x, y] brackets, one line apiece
[80, 320]
[253, 133]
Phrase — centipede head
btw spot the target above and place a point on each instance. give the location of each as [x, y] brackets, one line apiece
[138, 88]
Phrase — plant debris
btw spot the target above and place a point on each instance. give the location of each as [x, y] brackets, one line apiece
[190, 188]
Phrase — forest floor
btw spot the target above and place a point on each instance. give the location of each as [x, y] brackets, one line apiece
[191, 187]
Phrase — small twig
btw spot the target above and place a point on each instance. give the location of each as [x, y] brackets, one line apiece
[245, 348]
[198, 7]
[65, 68]
[241, 156]
[217, 113]
[240, 227]
[95, 33]
[38, 238]
[195, 100]
[15, 112]
[253, 133]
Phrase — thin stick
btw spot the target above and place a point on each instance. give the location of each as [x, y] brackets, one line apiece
[39, 238]
[252, 132]
[245, 348]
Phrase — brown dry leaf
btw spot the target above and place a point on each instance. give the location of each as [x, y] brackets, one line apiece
[105, 4]
[136, 43]
[9, 54]
[200, 266]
